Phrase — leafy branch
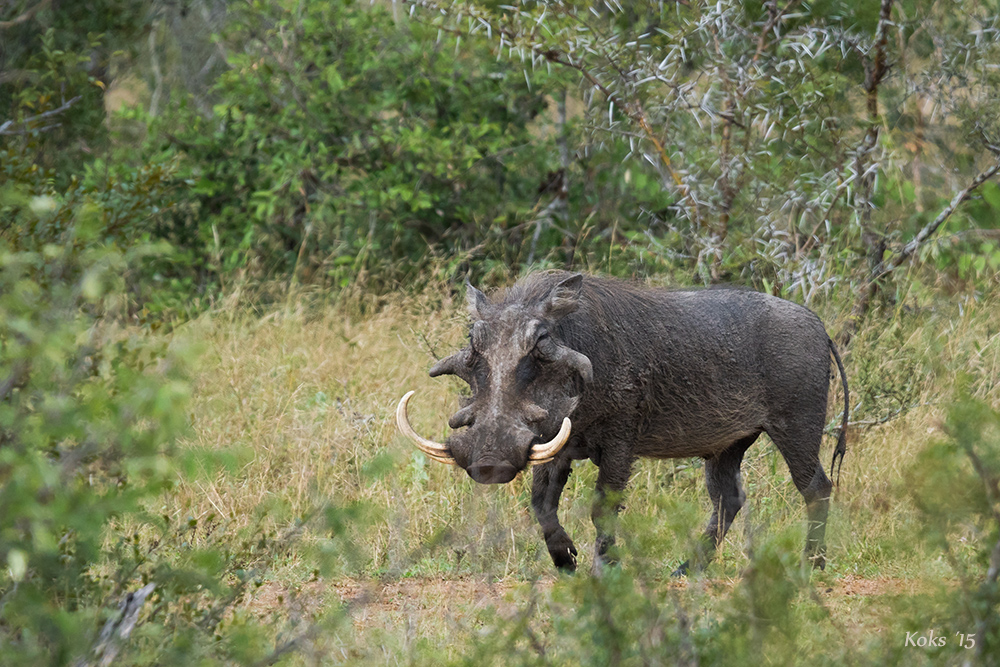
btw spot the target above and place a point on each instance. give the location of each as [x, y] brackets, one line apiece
[884, 268]
[632, 108]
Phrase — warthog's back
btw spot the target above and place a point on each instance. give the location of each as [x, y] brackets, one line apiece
[702, 368]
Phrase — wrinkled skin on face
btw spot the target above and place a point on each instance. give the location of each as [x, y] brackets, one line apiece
[524, 381]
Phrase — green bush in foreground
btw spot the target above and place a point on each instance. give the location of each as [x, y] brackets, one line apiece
[93, 401]
[955, 483]
[88, 414]
[87, 420]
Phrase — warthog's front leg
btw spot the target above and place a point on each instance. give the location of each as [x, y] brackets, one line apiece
[546, 486]
[612, 478]
[725, 488]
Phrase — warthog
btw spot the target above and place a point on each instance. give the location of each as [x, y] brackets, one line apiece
[565, 366]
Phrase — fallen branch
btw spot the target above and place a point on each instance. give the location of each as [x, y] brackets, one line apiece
[117, 629]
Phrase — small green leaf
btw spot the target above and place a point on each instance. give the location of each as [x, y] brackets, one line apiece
[17, 561]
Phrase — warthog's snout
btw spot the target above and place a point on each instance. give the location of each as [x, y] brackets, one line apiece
[499, 472]
[492, 470]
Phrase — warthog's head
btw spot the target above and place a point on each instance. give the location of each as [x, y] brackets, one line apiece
[525, 383]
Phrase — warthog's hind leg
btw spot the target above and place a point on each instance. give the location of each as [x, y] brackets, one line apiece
[800, 448]
[817, 496]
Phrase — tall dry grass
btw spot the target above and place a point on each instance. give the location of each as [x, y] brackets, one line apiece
[300, 400]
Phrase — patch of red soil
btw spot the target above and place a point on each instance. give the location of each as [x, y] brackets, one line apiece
[850, 585]
[435, 595]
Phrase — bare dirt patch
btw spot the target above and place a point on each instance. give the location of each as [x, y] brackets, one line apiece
[367, 599]
[445, 597]
[851, 585]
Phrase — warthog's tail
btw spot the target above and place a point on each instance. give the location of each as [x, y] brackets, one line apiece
[841, 447]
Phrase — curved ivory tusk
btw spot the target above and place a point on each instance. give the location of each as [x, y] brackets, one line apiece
[434, 450]
[544, 452]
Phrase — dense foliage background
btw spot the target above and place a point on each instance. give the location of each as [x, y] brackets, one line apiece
[205, 202]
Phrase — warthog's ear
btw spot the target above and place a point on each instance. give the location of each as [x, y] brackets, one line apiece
[564, 298]
[476, 301]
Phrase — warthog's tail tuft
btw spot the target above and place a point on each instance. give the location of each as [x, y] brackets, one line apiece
[841, 448]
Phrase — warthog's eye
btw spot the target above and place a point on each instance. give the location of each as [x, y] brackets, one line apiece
[544, 348]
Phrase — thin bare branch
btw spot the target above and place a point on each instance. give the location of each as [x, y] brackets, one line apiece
[21, 127]
[870, 285]
[634, 111]
[776, 15]
[26, 16]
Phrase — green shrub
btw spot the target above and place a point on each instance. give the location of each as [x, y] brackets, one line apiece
[954, 483]
[89, 414]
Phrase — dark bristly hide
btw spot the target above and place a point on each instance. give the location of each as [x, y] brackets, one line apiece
[639, 372]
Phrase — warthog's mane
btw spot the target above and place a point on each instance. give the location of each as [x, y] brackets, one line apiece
[602, 299]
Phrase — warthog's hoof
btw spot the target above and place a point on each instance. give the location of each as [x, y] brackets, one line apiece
[682, 569]
[818, 561]
[564, 557]
[602, 563]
